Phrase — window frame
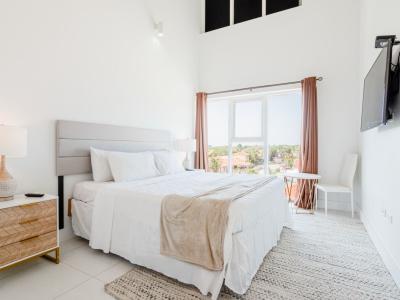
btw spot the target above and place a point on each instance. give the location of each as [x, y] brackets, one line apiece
[263, 139]
[233, 139]
[248, 100]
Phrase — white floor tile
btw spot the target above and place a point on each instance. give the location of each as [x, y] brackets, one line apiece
[92, 289]
[19, 268]
[89, 261]
[42, 281]
[73, 244]
[115, 271]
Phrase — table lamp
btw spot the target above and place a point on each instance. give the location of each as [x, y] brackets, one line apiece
[187, 146]
[13, 142]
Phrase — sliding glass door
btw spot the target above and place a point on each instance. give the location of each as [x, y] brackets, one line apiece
[255, 134]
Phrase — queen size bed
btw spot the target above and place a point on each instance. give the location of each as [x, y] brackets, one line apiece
[124, 217]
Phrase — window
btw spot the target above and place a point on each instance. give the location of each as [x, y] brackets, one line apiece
[255, 134]
[218, 136]
[248, 158]
[274, 6]
[247, 10]
[248, 119]
[217, 14]
[284, 125]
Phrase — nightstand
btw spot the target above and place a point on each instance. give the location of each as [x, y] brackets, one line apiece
[28, 229]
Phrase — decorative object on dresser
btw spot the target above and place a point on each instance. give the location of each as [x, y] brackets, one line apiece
[28, 229]
[12, 144]
[187, 146]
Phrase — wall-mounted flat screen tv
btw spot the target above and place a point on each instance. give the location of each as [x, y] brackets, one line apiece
[375, 110]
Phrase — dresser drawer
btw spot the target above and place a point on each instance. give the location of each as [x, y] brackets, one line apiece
[27, 213]
[20, 250]
[27, 229]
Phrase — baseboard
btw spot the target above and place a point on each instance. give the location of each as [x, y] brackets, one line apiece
[387, 257]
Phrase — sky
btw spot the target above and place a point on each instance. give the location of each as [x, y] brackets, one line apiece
[283, 119]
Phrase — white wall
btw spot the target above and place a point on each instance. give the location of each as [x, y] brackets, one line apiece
[320, 38]
[380, 147]
[94, 61]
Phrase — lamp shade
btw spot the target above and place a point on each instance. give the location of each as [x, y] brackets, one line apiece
[185, 145]
[13, 141]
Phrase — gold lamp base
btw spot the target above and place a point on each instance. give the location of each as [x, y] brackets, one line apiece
[8, 185]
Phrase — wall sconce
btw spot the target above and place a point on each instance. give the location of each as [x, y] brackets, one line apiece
[159, 29]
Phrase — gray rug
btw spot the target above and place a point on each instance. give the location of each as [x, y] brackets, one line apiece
[319, 258]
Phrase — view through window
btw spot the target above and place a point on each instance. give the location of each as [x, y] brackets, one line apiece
[255, 134]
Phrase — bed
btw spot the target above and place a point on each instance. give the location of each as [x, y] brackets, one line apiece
[124, 218]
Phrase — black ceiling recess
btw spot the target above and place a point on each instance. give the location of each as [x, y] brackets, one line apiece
[217, 14]
[274, 6]
[247, 10]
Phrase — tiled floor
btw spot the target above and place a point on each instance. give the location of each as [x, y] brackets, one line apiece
[81, 274]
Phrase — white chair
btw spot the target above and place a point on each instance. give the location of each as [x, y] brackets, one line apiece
[346, 181]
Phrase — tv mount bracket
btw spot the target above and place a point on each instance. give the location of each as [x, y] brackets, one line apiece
[382, 41]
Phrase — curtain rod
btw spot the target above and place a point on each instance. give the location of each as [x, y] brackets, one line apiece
[260, 87]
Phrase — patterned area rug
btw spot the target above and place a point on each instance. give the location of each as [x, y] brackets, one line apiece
[319, 258]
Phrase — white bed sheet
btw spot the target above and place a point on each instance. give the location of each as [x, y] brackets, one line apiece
[82, 213]
[128, 225]
[86, 191]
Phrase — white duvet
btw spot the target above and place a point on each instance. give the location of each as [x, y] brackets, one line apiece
[126, 221]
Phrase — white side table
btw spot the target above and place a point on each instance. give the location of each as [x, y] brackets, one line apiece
[310, 179]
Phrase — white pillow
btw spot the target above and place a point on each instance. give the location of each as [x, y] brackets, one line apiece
[132, 166]
[168, 162]
[100, 166]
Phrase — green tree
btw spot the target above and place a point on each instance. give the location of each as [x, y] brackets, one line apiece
[215, 164]
[273, 152]
[254, 156]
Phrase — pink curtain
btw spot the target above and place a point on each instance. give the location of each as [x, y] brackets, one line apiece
[201, 158]
[309, 138]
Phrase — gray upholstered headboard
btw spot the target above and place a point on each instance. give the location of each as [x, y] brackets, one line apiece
[74, 140]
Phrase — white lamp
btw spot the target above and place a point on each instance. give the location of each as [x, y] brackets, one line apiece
[13, 142]
[187, 146]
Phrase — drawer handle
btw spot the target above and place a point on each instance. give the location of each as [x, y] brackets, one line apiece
[31, 238]
[28, 221]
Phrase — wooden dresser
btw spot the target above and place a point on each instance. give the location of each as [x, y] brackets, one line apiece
[28, 229]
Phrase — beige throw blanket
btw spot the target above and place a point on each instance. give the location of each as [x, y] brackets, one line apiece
[192, 229]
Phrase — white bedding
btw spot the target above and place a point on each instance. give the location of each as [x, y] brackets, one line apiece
[86, 191]
[126, 222]
[82, 213]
